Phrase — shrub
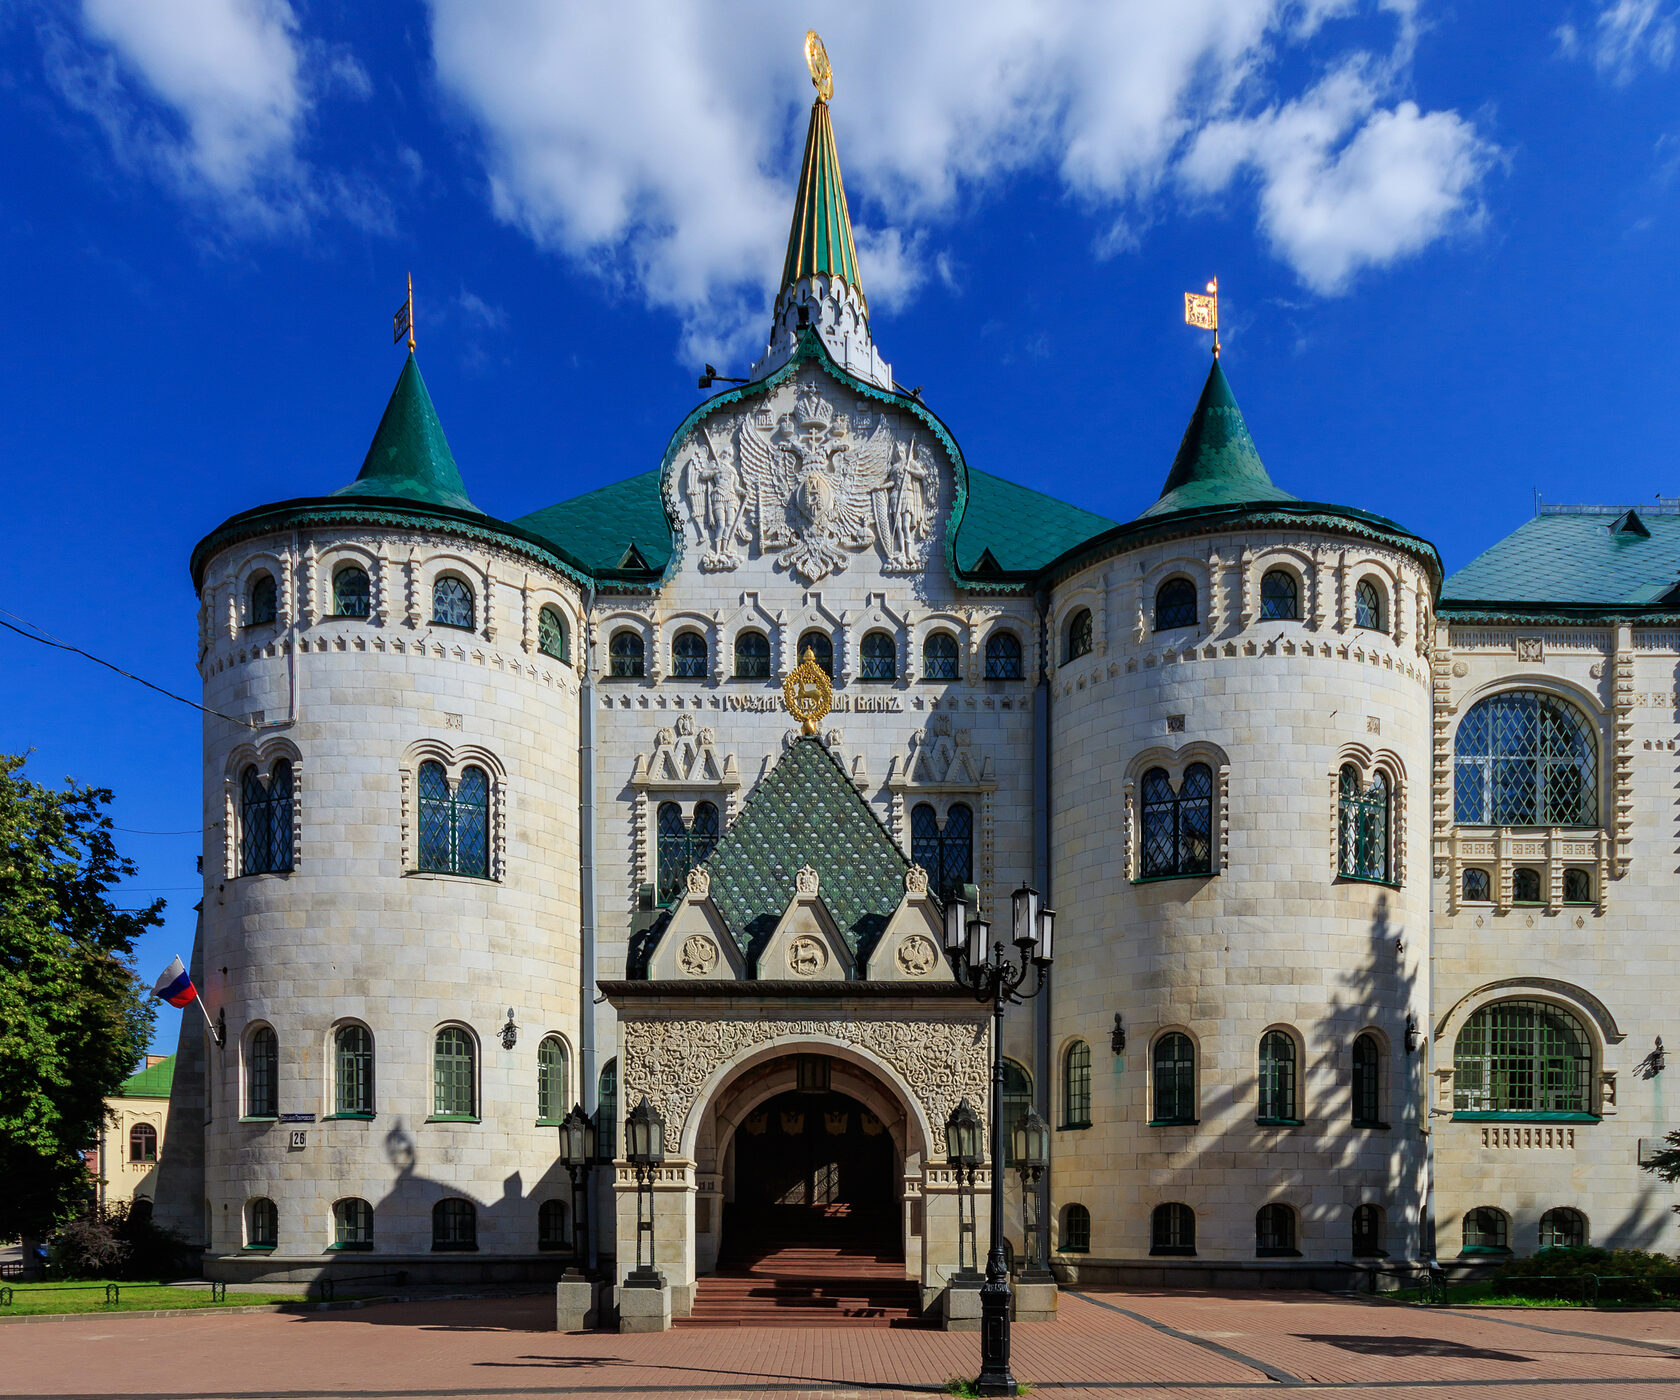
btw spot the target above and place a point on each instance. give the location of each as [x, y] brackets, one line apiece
[120, 1242]
[1628, 1275]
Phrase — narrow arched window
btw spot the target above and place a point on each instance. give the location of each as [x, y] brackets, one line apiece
[1477, 886]
[606, 1112]
[1177, 826]
[262, 1224]
[1364, 825]
[1017, 1103]
[1175, 604]
[752, 656]
[821, 647]
[352, 1224]
[1577, 886]
[939, 657]
[1174, 1073]
[1368, 1231]
[1563, 1228]
[682, 847]
[880, 658]
[353, 1071]
[352, 596]
[1076, 1230]
[553, 1074]
[1522, 1057]
[1274, 1231]
[551, 635]
[1368, 605]
[551, 1225]
[1525, 886]
[142, 1143]
[1172, 1229]
[262, 1074]
[1277, 1078]
[265, 820]
[454, 824]
[688, 656]
[945, 852]
[454, 1225]
[1367, 1082]
[1280, 597]
[1076, 1086]
[627, 654]
[1003, 657]
[1525, 758]
[1486, 1231]
[452, 602]
[454, 1075]
[264, 600]
[1078, 636]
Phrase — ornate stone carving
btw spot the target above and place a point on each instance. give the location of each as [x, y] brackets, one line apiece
[805, 882]
[916, 881]
[806, 956]
[700, 883]
[699, 955]
[917, 955]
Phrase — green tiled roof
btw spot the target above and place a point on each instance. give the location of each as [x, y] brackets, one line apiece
[1595, 558]
[598, 528]
[153, 1083]
[409, 458]
[806, 812]
[1217, 463]
[820, 240]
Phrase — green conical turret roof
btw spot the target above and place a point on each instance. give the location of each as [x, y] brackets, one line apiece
[410, 458]
[820, 241]
[1217, 463]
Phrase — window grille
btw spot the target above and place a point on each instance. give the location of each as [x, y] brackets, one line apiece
[142, 1143]
[1178, 826]
[552, 1074]
[1364, 825]
[1175, 1079]
[264, 599]
[1525, 758]
[1522, 1057]
[606, 1113]
[1078, 636]
[1478, 886]
[1367, 1230]
[939, 657]
[1577, 887]
[352, 1223]
[1076, 1230]
[551, 635]
[1563, 1228]
[1003, 657]
[946, 853]
[1487, 1228]
[1367, 1081]
[1274, 1230]
[1280, 597]
[454, 824]
[1367, 605]
[352, 596]
[880, 658]
[454, 1224]
[452, 603]
[1172, 1229]
[353, 1050]
[1525, 886]
[627, 654]
[1175, 604]
[262, 1229]
[681, 848]
[551, 1225]
[1017, 1101]
[1076, 1086]
[262, 1073]
[821, 647]
[1277, 1078]
[688, 657]
[454, 1080]
[752, 656]
[265, 820]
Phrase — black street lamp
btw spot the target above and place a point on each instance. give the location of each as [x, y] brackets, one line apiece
[1032, 1155]
[577, 1155]
[965, 1151]
[988, 970]
[644, 1149]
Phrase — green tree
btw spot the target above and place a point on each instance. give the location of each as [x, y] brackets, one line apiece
[1666, 1163]
[74, 1018]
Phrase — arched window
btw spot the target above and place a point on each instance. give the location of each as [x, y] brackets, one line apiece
[681, 848]
[352, 1224]
[265, 820]
[1076, 1086]
[946, 853]
[353, 1063]
[1078, 636]
[821, 647]
[880, 658]
[1003, 657]
[262, 1074]
[1577, 886]
[606, 1112]
[352, 596]
[939, 657]
[1522, 1057]
[1175, 604]
[752, 656]
[1486, 1231]
[454, 1225]
[551, 635]
[1525, 758]
[1563, 1228]
[142, 1143]
[1174, 1072]
[1280, 597]
[688, 656]
[553, 1076]
[1277, 1078]
[454, 825]
[1525, 886]
[264, 606]
[1274, 1231]
[1178, 826]
[627, 654]
[1076, 1230]
[1364, 826]
[1017, 1102]
[1477, 886]
[1367, 1082]
[1368, 1231]
[454, 1075]
[1172, 1229]
[551, 1225]
[452, 602]
[1368, 605]
[262, 1224]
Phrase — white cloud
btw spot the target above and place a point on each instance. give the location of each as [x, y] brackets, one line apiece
[1626, 35]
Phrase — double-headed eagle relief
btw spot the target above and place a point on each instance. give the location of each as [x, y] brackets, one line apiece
[810, 485]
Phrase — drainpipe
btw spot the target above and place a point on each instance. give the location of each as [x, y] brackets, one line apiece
[1041, 879]
[587, 1052]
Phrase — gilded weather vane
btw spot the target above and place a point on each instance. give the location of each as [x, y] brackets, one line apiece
[807, 692]
[816, 59]
[403, 322]
[1202, 310]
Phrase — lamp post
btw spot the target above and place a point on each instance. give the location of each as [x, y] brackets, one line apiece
[577, 1155]
[1032, 1155]
[988, 970]
[965, 1153]
[644, 1149]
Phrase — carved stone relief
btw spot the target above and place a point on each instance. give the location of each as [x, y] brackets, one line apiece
[917, 955]
[699, 955]
[806, 956]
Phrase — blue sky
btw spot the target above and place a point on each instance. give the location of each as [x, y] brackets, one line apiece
[1445, 237]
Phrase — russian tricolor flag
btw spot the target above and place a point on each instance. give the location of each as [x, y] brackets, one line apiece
[175, 986]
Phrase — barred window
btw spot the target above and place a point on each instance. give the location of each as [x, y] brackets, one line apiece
[821, 647]
[262, 1224]
[1577, 887]
[880, 658]
[1486, 1230]
[551, 1225]
[1078, 636]
[1525, 758]
[1172, 1229]
[606, 1112]
[1017, 1102]
[454, 824]
[452, 602]
[1174, 1072]
[1525, 886]
[1178, 826]
[142, 1143]
[1367, 1081]
[1076, 1229]
[1175, 604]
[353, 1054]
[1076, 1086]
[1522, 1057]
[1277, 1078]
[1477, 886]
[1280, 597]
[627, 654]
[688, 656]
[262, 1074]
[939, 657]
[1368, 605]
[752, 656]
[352, 596]
[553, 1074]
[264, 600]
[945, 852]
[1003, 657]
[1563, 1228]
[682, 847]
[265, 820]
[454, 1225]
[1364, 826]
[551, 635]
[1368, 1231]
[352, 1223]
[454, 1075]
[1274, 1230]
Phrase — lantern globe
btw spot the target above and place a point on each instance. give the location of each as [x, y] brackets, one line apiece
[1046, 930]
[979, 942]
[1024, 908]
[956, 924]
[644, 1135]
[962, 1134]
[1032, 1141]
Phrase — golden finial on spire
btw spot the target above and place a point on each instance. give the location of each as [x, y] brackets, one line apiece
[816, 59]
[403, 321]
[808, 693]
[1202, 311]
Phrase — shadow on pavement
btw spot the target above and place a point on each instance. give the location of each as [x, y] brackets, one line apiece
[1410, 1346]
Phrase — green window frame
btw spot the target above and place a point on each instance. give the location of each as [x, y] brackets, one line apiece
[1487, 1230]
[680, 847]
[553, 1076]
[1526, 886]
[551, 635]
[1177, 827]
[454, 1074]
[606, 1112]
[262, 1224]
[1364, 826]
[1277, 1085]
[1173, 1070]
[352, 1224]
[1563, 1227]
[1367, 1082]
[1526, 1057]
[353, 1065]
[262, 1074]
[454, 822]
[945, 852]
[1076, 1086]
[352, 593]
[1525, 758]
[265, 820]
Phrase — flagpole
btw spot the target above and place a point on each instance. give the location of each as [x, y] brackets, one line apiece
[198, 1000]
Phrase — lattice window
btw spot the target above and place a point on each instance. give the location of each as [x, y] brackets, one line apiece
[452, 602]
[1577, 886]
[551, 635]
[939, 657]
[880, 658]
[1367, 1081]
[1174, 1073]
[1172, 1229]
[1486, 1228]
[1477, 886]
[1003, 657]
[1175, 604]
[352, 595]
[1078, 636]
[1364, 826]
[454, 823]
[454, 1074]
[553, 1076]
[1178, 826]
[627, 653]
[688, 656]
[682, 847]
[1525, 758]
[265, 820]
[1076, 1086]
[1280, 597]
[821, 647]
[1368, 605]
[945, 852]
[1522, 1057]
[1277, 1078]
[353, 1061]
[262, 1074]
[1525, 886]
[752, 656]
[606, 1113]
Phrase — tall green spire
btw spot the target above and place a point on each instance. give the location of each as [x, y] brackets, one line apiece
[410, 457]
[1217, 463]
[820, 241]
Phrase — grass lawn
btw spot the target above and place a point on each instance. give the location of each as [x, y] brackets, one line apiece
[89, 1297]
[1496, 1296]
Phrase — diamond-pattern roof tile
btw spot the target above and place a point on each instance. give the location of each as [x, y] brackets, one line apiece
[1586, 558]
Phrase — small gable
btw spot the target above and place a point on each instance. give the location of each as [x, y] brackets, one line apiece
[1629, 523]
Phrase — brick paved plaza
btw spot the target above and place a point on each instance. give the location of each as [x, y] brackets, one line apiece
[1137, 1344]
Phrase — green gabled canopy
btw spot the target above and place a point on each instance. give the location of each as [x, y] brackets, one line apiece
[807, 812]
[820, 241]
[1217, 463]
[410, 458]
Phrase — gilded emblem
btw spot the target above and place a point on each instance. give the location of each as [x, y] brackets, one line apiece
[816, 59]
[808, 693]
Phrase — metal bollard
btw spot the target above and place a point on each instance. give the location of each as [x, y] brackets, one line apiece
[112, 1295]
[218, 1291]
[5, 1296]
